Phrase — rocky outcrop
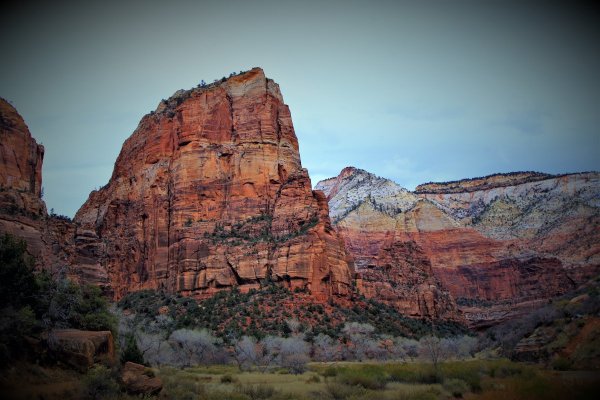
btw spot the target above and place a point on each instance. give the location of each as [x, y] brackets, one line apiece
[81, 349]
[500, 245]
[21, 204]
[208, 193]
[376, 219]
[22, 210]
[140, 380]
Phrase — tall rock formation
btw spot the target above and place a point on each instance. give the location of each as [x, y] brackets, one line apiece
[22, 210]
[499, 244]
[209, 192]
[21, 204]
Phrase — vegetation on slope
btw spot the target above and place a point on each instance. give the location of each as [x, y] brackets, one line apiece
[32, 303]
[258, 313]
[564, 334]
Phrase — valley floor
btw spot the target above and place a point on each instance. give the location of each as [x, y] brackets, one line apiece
[473, 379]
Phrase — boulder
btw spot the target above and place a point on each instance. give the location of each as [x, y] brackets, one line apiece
[81, 349]
[138, 379]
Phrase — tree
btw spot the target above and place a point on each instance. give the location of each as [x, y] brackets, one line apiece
[194, 347]
[294, 354]
[407, 348]
[431, 348]
[358, 337]
[245, 352]
[131, 352]
[18, 296]
[325, 348]
[18, 287]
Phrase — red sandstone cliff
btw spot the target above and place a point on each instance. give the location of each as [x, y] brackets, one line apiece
[499, 244]
[21, 205]
[209, 192]
[22, 210]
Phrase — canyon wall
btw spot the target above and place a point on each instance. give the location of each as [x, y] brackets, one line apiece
[208, 193]
[500, 245]
[22, 209]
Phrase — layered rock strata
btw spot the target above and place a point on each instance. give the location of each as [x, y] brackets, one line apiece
[500, 244]
[208, 193]
[22, 210]
[376, 219]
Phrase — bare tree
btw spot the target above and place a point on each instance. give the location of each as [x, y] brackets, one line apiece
[325, 348]
[245, 352]
[407, 348]
[293, 354]
[194, 346]
[357, 338]
[432, 349]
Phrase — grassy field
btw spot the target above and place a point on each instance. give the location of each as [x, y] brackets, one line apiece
[475, 379]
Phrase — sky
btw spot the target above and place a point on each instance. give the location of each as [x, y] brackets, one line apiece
[413, 91]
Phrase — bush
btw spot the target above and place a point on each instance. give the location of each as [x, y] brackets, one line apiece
[340, 391]
[329, 371]
[17, 280]
[369, 377]
[227, 378]
[456, 387]
[131, 352]
[256, 392]
[561, 364]
[100, 384]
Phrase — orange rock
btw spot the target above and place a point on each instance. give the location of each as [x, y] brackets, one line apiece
[81, 349]
[209, 193]
[140, 380]
[22, 210]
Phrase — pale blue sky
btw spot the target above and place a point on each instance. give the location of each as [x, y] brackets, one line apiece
[413, 91]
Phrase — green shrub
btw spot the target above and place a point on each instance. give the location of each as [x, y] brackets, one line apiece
[131, 352]
[228, 378]
[329, 372]
[469, 372]
[100, 384]
[414, 373]
[340, 391]
[314, 379]
[456, 387]
[367, 376]
[256, 392]
[561, 363]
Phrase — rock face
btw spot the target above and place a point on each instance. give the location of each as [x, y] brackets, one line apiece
[499, 244]
[22, 210]
[209, 192]
[21, 205]
[378, 222]
[81, 349]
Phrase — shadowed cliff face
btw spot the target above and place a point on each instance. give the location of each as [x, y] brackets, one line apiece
[22, 210]
[21, 204]
[499, 245]
[208, 193]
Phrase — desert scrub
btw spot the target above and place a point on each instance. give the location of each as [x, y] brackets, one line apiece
[99, 383]
[256, 392]
[367, 376]
[456, 387]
